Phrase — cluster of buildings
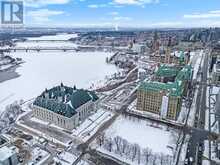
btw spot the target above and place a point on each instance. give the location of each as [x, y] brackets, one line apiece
[163, 94]
[64, 106]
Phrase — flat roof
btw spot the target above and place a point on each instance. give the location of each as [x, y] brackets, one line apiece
[5, 153]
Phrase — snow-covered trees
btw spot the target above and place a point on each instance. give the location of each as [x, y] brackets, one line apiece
[132, 152]
[9, 115]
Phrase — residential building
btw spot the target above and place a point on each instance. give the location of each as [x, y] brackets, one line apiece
[64, 106]
[8, 156]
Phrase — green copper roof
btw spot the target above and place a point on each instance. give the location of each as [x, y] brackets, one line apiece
[175, 88]
[185, 73]
[64, 100]
[182, 57]
[166, 71]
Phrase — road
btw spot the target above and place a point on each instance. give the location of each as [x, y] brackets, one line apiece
[196, 141]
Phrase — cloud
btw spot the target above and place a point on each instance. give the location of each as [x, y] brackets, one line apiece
[134, 2]
[210, 14]
[40, 3]
[166, 24]
[113, 13]
[42, 15]
[97, 5]
[120, 18]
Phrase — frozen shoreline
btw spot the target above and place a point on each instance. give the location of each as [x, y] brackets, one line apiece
[9, 74]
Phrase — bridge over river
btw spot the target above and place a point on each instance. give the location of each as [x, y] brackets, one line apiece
[38, 49]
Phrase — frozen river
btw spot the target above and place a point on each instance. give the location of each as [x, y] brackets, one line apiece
[46, 69]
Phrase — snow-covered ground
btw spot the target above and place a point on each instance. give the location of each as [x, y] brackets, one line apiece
[195, 60]
[143, 133]
[157, 142]
[137, 141]
[66, 158]
[89, 127]
[38, 156]
[46, 69]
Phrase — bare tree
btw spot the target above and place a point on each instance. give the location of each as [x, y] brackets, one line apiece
[100, 139]
[135, 149]
[154, 159]
[139, 154]
[146, 154]
[124, 145]
[117, 141]
[161, 157]
[108, 144]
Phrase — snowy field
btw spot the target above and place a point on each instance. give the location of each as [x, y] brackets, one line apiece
[133, 141]
[47, 69]
[142, 133]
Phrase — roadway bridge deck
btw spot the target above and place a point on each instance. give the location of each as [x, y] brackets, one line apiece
[38, 49]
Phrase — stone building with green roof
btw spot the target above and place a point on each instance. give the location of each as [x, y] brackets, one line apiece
[64, 106]
[151, 94]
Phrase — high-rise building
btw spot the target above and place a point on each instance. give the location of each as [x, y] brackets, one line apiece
[164, 97]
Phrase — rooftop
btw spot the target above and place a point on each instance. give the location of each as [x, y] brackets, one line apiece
[173, 88]
[166, 71]
[64, 100]
[5, 153]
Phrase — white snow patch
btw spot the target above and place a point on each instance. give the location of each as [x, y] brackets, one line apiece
[142, 133]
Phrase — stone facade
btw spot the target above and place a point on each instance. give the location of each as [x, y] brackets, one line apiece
[151, 101]
[153, 95]
[63, 112]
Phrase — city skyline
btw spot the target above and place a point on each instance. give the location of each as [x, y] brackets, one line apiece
[122, 13]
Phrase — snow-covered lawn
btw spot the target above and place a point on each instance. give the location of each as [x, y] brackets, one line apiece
[138, 136]
[89, 127]
[144, 133]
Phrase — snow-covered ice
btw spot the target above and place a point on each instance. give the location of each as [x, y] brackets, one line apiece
[45, 44]
[46, 69]
[62, 36]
